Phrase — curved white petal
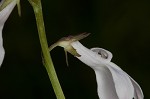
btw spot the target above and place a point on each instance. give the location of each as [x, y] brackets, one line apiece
[123, 84]
[112, 81]
[105, 83]
[3, 17]
[138, 94]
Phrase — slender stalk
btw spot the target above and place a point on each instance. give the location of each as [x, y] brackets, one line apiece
[37, 7]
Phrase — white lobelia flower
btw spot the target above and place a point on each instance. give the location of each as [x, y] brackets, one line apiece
[112, 81]
[6, 7]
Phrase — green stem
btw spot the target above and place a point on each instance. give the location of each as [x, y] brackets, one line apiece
[37, 7]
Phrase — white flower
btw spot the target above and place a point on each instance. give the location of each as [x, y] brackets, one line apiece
[112, 81]
[5, 11]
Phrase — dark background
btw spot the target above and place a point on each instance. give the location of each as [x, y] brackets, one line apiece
[121, 26]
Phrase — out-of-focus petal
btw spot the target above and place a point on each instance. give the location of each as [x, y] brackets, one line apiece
[4, 14]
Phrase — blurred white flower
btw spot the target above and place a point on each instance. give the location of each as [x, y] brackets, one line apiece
[5, 10]
[112, 81]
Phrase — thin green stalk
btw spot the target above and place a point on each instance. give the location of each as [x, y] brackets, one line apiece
[37, 7]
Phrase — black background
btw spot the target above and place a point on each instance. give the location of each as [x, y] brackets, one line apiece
[120, 26]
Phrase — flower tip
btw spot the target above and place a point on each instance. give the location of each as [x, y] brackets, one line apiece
[81, 36]
[19, 7]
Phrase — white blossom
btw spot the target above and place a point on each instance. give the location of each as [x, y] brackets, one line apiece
[112, 81]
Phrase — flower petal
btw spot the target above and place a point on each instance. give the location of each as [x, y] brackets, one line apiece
[123, 84]
[88, 57]
[4, 14]
[3, 17]
[138, 94]
[106, 86]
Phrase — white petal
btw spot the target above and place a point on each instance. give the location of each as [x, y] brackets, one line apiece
[88, 57]
[138, 94]
[106, 55]
[105, 84]
[4, 14]
[3, 17]
[123, 84]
